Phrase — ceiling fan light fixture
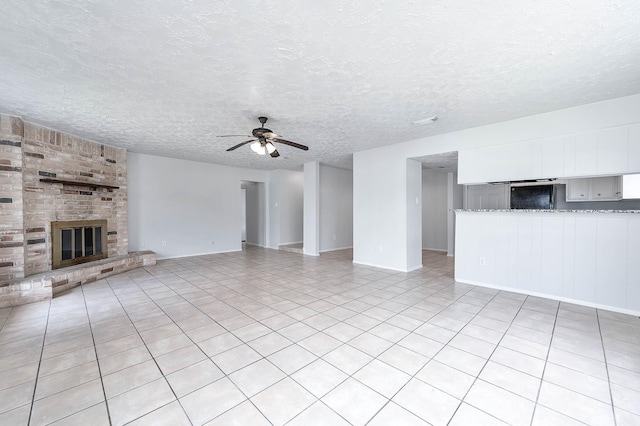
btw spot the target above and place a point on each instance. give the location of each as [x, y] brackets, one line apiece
[270, 147]
[258, 148]
[264, 141]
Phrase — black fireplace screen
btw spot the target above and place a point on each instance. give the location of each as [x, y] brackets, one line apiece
[78, 242]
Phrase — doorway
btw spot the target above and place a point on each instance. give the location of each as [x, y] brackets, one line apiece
[440, 196]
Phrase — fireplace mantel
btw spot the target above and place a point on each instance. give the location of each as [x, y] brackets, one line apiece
[77, 183]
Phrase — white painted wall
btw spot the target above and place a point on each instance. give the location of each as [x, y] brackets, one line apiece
[434, 209]
[455, 200]
[414, 215]
[273, 209]
[311, 209]
[588, 258]
[290, 200]
[193, 206]
[380, 175]
[379, 209]
[336, 208]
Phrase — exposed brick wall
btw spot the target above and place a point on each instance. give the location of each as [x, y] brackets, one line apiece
[46, 153]
[11, 205]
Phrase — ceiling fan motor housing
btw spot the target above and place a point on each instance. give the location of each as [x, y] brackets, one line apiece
[259, 132]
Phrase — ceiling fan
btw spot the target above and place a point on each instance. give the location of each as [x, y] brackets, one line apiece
[264, 139]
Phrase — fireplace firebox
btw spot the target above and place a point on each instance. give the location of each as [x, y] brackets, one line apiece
[78, 241]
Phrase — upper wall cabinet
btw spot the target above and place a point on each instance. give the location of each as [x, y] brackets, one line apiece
[594, 189]
[613, 151]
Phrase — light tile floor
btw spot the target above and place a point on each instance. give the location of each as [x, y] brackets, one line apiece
[271, 337]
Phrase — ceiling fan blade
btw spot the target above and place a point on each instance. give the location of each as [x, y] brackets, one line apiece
[240, 144]
[275, 154]
[232, 136]
[293, 144]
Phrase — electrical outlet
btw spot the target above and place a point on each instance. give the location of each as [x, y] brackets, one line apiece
[164, 244]
[213, 242]
[482, 261]
[380, 249]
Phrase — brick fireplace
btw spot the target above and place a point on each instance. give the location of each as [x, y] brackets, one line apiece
[47, 176]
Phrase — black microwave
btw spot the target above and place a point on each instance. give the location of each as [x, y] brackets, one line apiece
[535, 197]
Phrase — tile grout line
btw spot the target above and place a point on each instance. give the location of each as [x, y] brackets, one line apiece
[95, 350]
[35, 385]
[544, 369]
[6, 318]
[606, 365]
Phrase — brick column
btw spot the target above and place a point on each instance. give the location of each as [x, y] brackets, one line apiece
[11, 199]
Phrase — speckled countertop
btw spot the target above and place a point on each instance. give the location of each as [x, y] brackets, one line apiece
[542, 211]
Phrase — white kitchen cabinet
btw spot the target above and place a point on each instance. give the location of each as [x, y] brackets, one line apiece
[634, 149]
[487, 164]
[578, 190]
[611, 151]
[569, 156]
[606, 188]
[586, 154]
[594, 189]
[552, 157]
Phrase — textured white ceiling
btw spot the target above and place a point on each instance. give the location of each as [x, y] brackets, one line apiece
[443, 162]
[165, 77]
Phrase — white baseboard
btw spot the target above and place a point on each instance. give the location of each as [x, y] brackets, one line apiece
[336, 249]
[387, 267]
[292, 242]
[198, 254]
[434, 249]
